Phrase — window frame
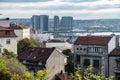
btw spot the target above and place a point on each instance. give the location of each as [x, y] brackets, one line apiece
[8, 41]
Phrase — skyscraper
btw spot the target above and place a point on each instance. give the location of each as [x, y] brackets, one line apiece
[35, 22]
[44, 22]
[66, 24]
[56, 23]
[40, 22]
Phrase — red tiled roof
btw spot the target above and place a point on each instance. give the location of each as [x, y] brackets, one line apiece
[5, 32]
[92, 40]
[115, 52]
[36, 54]
[4, 28]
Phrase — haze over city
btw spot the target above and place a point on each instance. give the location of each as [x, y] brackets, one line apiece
[79, 9]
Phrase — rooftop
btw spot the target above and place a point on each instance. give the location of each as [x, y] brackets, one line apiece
[115, 52]
[92, 40]
[36, 54]
[15, 26]
[55, 40]
[5, 32]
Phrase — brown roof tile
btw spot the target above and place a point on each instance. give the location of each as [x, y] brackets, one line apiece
[5, 32]
[36, 54]
[115, 52]
[92, 40]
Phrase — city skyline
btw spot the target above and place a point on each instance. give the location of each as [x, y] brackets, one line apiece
[79, 9]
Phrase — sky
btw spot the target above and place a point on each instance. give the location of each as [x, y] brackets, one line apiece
[79, 9]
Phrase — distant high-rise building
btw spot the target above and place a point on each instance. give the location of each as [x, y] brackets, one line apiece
[66, 24]
[56, 23]
[44, 22]
[35, 22]
[40, 22]
[51, 25]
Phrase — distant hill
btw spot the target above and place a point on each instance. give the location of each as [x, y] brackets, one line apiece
[98, 24]
[22, 21]
[92, 25]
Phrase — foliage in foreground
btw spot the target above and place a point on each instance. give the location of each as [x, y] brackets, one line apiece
[88, 75]
[12, 69]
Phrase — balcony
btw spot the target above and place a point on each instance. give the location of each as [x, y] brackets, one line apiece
[117, 69]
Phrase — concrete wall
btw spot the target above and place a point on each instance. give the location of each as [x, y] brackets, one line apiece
[61, 45]
[112, 44]
[25, 33]
[5, 23]
[12, 46]
[112, 65]
[55, 64]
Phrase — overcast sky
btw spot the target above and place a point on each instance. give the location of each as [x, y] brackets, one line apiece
[79, 9]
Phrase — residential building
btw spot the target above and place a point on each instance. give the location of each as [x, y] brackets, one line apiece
[61, 45]
[5, 22]
[38, 58]
[8, 39]
[21, 31]
[114, 63]
[40, 22]
[94, 50]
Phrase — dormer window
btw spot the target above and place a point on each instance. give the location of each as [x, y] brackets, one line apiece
[7, 33]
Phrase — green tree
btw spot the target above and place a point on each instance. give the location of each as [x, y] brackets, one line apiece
[24, 43]
[88, 75]
[69, 67]
[9, 54]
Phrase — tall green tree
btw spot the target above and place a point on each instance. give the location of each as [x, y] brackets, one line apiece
[24, 43]
[69, 67]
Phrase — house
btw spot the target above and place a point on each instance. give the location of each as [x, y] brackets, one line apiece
[5, 22]
[8, 40]
[21, 31]
[94, 50]
[114, 63]
[38, 58]
[62, 45]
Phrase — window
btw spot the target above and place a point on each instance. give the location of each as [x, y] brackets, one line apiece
[118, 63]
[96, 63]
[78, 58]
[7, 41]
[84, 49]
[77, 48]
[86, 62]
[80, 48]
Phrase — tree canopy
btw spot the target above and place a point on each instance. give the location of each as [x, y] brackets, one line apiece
[24, 43]
[69, 67]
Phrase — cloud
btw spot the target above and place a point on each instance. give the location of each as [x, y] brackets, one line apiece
[24, 0]
[76, 1]
[87, 9]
